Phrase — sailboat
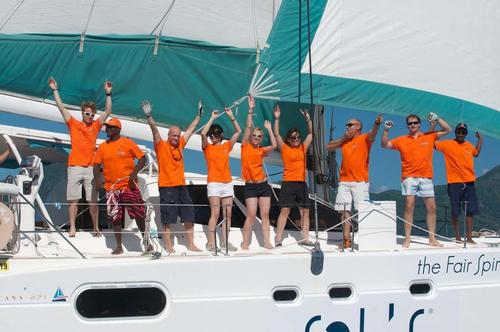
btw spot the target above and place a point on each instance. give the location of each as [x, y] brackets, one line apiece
[382, 56]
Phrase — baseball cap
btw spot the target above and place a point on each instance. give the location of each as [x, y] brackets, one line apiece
[114, 122]
[461, 125]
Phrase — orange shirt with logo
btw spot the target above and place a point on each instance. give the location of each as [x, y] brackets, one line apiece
[217, 158]
[459, 160]
[252, 162]
[294, 163]
[83, 139]
[118, 159]
[416, 154]
[171, 163]
[355, 159]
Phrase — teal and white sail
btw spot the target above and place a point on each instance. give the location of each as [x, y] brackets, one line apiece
[385, 56]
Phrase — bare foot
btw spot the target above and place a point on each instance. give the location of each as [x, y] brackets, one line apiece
[170, 250]
[96, 233]
[117, 251]
[435, 243]
[406, 243]
[268, 246]
[72, 232]
[471, 241]
[244, 246]
[194, 248]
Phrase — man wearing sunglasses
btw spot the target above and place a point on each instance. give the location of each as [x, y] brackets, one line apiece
[353, 185]
[459, 161]
[83, 135]
[416, 150]
[174, 196]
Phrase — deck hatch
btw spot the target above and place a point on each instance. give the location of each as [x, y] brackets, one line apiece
[121, 302]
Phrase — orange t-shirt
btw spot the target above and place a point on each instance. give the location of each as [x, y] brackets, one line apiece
[355, 159]
[252, 161]
[294, 163]
[459, 160]
[118, 158]
[217, 158]
[171, 163]
[416, 154]
[83, 139]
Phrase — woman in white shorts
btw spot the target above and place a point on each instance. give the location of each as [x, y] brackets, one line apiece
[219, 181]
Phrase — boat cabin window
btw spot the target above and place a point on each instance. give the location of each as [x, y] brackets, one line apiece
[420, 288]
[121, 302]
[285, 295]
[340, 292]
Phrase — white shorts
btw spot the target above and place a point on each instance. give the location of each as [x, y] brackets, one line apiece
[351, 192]
[78, 176]
[422, 187]
[219, 189]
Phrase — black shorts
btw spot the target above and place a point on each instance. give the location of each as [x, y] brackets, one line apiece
[256, 190]
[178, 204]
[459, 194]
[294, 193]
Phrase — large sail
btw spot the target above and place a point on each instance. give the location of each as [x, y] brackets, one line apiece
[392, 56]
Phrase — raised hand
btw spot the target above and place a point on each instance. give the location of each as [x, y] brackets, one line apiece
[378, 119]
[147, 108]
[267, 124]
[200, 108]
[388, 124]
[251, 103]
[306, 115]
[108, 86]
[478, 135]
[229, 113]
[277, 111]
[432, 117]
[52, 83]
[215, 114]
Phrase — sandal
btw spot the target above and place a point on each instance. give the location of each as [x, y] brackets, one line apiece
[307, 243]
[277, 243]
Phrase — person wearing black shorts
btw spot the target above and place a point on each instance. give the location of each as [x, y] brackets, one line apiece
[257, 190]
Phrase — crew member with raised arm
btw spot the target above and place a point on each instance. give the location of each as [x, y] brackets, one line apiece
[83, 135]
[219, 181]
[117, 158]
[4, 155]
[257, 191]
[354, 184]
[416, 150]
[459, 162]
[174, 195]
[294, 190]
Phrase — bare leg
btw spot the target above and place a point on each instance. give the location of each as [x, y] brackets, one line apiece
[430, 205]
[117, 229]
[280, 228]
[189, 228]
[304, 223]
[251, 204]
[454, 224]
[265, 206]
[167, 239]
[214, 217]
[408, 216]
[227, 208]
[470, 222]
[72, 211]
[94, 214]
[346, 226]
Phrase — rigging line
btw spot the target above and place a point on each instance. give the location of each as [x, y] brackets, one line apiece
[255, 33]
[11, 14]
[300, 49]
[88, 19]
[163, 19]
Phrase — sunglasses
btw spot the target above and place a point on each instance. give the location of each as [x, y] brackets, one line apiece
[295, 137]
[413, 123]
[350, 124]
[256, 136]
[89, 114]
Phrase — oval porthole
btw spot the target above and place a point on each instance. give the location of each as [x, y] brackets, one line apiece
[340, 292]
[420, 288]
[121, 302]
[285, 295]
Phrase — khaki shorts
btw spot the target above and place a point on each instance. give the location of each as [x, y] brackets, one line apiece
[351, 192]
[78, 176]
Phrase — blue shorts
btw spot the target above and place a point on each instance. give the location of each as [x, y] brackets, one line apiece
[176, 203]
[459, 194]
[422, 187]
